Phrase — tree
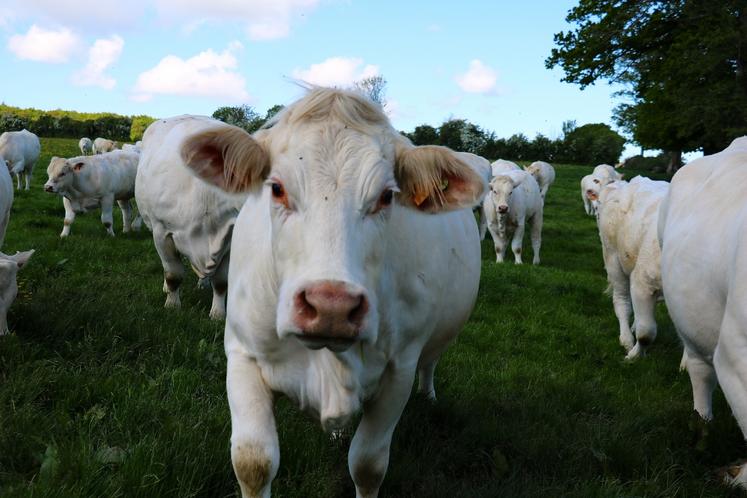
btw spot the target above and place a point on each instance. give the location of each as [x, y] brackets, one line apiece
[450, 134]
[682, 63]
[594, 144]
[272, 111]
[374, 87]
[139, 124]
[424, 135]
[243, 116]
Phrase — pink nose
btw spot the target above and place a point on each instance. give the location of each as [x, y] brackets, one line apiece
[330, 309]
[503, 209]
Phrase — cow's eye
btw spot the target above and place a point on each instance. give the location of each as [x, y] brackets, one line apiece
[278, 193]
[384, 201]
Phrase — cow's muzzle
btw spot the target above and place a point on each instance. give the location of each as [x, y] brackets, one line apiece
[49, 188]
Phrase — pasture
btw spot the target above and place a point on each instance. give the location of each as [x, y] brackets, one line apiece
[103, 392]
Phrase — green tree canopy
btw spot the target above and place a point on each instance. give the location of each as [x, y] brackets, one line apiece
[594, 144]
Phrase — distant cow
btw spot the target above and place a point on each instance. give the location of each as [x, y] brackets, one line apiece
[9, 266]
[354, 263]
[503, 166]
[513, 201]
[544, 175]
[86, 146]
[608, 173]
[131, 148]
[6, 200]
[102, 145]
[483, 168]
[187, 216]
[703, 232]
[627, 217]
[591, 186]
[99, 179]
[21, 150]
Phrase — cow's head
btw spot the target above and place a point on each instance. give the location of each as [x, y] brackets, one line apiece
[9, 266]
[502, 188]
[60, 172]
[337, 180]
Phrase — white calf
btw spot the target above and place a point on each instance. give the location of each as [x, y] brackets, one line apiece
[502, 166]
[544, 175]
[607, 173]
[514, 199]
[9, 266]
[627, 218]
[21, 150]
[102, 145]
[86, 146]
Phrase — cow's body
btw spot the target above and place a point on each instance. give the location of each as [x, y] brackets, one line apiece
[544, 175]
[131, 148]
[501, 166]
[341, 288]
[6, 200]
[186, 216]
[513, 201]
[9, 266]
[21, 150]
[627, 217]
[703, 232]
[86, 146]
[103, 145]
[483, 168]
[86, 181]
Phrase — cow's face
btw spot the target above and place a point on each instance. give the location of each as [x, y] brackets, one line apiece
[60, 172]
[333, 194]
[502, 188]
[9, 266]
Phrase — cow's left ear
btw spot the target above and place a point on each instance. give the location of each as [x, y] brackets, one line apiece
[227, 157]
[78, 166]
[432, 178]
[21, 258]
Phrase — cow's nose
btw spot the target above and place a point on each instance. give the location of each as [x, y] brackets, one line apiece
[503, 209]
[48, 188]
[330, 309]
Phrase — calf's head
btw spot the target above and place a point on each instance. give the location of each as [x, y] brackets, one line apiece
[502, 188]
[60, 172]
[336, 179]
[9, 266]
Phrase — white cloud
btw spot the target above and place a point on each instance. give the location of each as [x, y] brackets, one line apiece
[336, 71]
[207, 74]
[102, 54]
[43, 45]
[479, 78]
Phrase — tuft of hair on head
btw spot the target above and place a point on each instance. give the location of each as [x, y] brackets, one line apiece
[227, 157]
[432, 178]
[352, 108]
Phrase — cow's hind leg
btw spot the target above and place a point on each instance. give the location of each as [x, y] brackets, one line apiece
[644, 310]
[536, 235]
[27, 175]
[107, 206]
[126, 209]
[219, 282]
[173, 270]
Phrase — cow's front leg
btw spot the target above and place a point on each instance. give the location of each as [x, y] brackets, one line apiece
[368, 458]
[27, 174]
[255, 452]
[516, 242]
[107, 219]
[219, 282]
[69, 217]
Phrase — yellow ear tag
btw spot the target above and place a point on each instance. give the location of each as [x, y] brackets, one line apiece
[444, 184]
[419, 198]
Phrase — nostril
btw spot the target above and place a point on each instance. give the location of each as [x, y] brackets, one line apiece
[358, 313]
[304, 309]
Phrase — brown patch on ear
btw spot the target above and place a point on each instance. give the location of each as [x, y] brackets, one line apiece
[78, 166]
[227, 157]
[432, 178]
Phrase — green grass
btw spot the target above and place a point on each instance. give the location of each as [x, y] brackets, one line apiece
[103, 392]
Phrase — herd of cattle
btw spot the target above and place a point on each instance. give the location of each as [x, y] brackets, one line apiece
[353, 257]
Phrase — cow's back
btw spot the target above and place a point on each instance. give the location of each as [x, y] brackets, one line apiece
[199, 218]
[18, 146]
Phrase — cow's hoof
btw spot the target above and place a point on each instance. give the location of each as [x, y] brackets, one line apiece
[734, 474]
[634, 353]
[217, 314]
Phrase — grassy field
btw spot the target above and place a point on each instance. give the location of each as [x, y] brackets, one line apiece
[103, 392]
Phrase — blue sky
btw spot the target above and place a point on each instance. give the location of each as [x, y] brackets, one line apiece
[483, 61]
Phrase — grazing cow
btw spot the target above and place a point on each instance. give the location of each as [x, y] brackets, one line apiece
[6, 200]
[703, 236]
[9, 266]
[86, 146]
[514, 199]
[544, 175]
[20, 149]
[102, 145]
[483, 168]
[354, 262]
[608, 173]
[84, 181]
[187, 216]
[502, 166]
[628, 214]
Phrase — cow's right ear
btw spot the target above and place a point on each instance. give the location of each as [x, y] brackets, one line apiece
[78, 166]
[227, 157]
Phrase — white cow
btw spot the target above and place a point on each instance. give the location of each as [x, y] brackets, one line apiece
[187, 216]
[21, 151]
[131, 148]
[9, 266]
[102, 145]
[514, 199]
[483, 168]
[703, 232]
[6, 200]
[345, 279]
[89, 180]
[607, 172]
[502, 166]
[627, 217]
[591, 186]
[86, 146]
[544, 175]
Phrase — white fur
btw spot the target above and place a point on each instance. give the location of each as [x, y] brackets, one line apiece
[591, 186]
[99, 179]
[20, 149]
[6, 200]
[544, 174]
[9, 266]
[607, 173]
[102, 145]
[186, 216]
[86, 146]
[483, 168]
[502, 166]
[703, 232]
[519, 191]
[627, 218]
